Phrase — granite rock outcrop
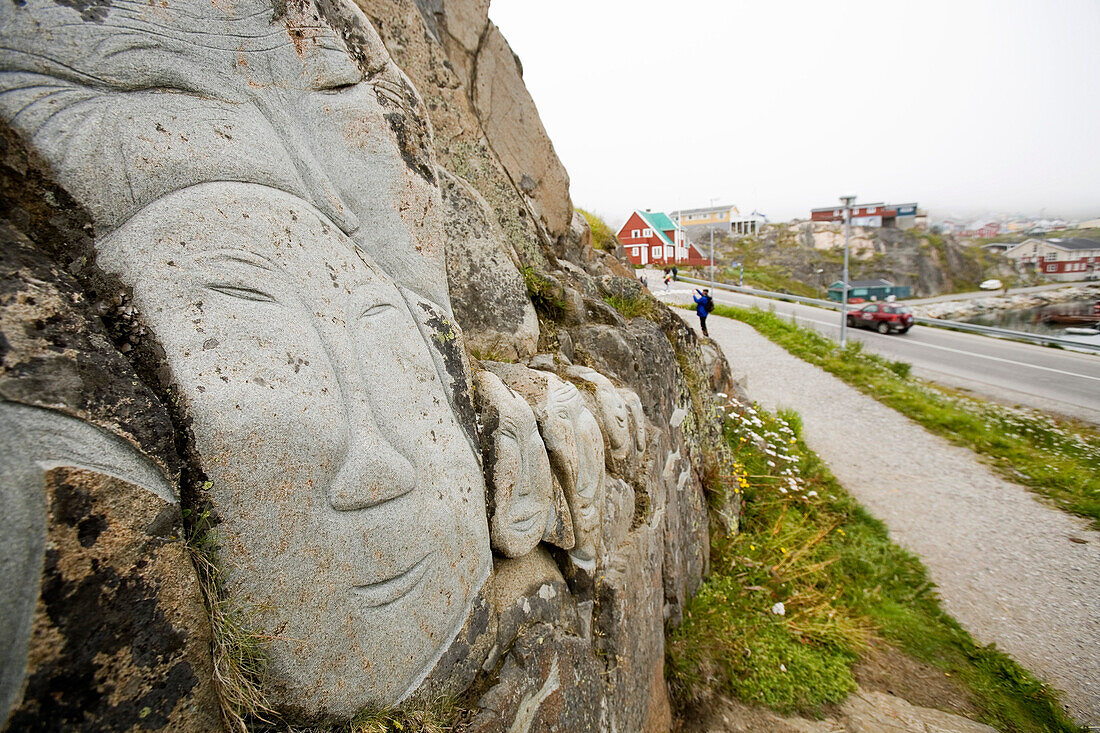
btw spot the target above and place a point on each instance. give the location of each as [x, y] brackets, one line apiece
[298, 321]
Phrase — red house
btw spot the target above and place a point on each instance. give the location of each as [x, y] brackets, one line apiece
[654, 239]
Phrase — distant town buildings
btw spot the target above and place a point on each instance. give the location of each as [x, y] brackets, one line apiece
[1059, 259]
[725, 219]
[652, 238]
[887, 216]
[1004, 225]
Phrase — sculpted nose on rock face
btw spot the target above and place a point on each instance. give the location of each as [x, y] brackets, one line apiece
[373, 472]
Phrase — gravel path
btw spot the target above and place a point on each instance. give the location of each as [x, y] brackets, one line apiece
[1011, 570]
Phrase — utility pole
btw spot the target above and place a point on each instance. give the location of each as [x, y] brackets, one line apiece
[712, 245]
[847, 201]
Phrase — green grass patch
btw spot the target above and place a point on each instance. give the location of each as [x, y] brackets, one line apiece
[603, 236]
[1055, 458]
[436, 716]
[632, 306]
[806, 544]
[546, 295]
[239, 651]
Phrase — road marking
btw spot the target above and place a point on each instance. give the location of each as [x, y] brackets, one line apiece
[970, 353]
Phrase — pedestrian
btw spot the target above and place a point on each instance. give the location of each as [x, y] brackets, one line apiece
[704, 304]
[645, 283]
[675, 273]
[668, 283]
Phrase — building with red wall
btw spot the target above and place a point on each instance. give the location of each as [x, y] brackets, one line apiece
[652, 238]
[889, 216]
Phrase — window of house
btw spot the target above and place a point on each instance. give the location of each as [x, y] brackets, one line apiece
[657, 252]
[635, 233]
[1052, 268]
[647, 232]
[1051, 256]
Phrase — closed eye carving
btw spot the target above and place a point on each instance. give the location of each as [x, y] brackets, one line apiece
[242, 293]
[376, 309]
[338, 88]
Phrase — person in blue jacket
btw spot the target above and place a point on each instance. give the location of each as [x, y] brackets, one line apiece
[702, 300]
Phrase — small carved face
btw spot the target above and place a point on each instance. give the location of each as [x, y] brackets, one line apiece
[614, 418]
[352, 503]
[576, 449]
[637, 416]
[517, 467]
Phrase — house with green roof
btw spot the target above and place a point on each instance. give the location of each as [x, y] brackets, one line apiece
[652, 238]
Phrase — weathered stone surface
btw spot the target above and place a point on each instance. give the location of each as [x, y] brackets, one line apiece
[298, 115]
[103, 620]
[488, 293]
[611, 411]
[266, 234]
[549, 682]
[630, 634]
[120, 639]
[515, 132]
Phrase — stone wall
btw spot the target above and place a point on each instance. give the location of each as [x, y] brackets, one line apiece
[305, 352]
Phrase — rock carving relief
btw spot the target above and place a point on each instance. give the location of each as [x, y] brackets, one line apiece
[33, 441]
[576, 448]
[265, 194]
[611, 410]
[521, 487]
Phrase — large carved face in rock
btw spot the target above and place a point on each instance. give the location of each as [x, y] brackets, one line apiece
[268, 196]
[517, 469]
[575, 443]
[352, 505]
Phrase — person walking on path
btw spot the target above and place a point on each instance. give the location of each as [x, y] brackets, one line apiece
[703, 306]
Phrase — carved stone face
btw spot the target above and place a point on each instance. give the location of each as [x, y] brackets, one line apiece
[637, 416]
[575, 443]
[517, 467]
[238, 161]
[352, 505]
[611, 410]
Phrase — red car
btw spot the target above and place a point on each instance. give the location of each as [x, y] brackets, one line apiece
[883, 317]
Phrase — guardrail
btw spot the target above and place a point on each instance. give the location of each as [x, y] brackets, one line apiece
[992, 331]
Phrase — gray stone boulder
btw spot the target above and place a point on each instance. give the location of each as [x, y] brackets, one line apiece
[488, 294]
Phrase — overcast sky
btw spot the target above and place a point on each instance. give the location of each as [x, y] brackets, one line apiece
[963, 106]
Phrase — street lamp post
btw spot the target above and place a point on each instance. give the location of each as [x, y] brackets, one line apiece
[712, 245]
[847, 201]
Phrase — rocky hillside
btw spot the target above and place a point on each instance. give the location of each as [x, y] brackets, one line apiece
[316, 401]
[806, 257]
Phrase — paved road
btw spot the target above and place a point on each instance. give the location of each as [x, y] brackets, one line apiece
[1063, 382]
[1011, 570]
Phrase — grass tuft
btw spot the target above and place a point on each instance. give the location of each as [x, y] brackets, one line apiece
[545, 294]
[436, 716]
[603, 236]
[239, 652]
[632, 306]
